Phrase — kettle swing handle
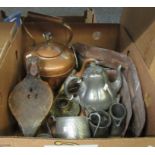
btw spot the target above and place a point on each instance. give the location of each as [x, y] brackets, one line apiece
[47, 35]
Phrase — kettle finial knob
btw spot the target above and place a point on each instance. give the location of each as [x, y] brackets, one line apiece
[47, 36]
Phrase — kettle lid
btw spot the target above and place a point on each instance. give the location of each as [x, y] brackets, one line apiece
[49, 50]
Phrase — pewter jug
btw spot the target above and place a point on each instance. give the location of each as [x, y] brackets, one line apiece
[91, 88]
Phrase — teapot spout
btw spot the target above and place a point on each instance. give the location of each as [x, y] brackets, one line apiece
[117, 84]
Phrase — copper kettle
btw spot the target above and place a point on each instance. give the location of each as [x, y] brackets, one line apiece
[56, 59]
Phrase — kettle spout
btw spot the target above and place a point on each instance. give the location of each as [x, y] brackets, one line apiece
[117, 84]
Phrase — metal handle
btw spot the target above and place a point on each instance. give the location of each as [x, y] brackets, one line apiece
[99, 121]
[121, 110]
[85, 63]
[53, 19]
[66, 84]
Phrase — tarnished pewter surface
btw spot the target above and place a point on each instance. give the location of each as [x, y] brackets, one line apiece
[72, 127]
[65, 107]
[95, 92]
[112, 59]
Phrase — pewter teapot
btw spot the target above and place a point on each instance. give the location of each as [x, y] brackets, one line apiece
[91, 88]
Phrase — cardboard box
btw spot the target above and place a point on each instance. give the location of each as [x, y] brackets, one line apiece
[133, 36]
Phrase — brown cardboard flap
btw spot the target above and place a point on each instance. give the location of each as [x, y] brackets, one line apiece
[7, 32]
[140, 25]
[88, 17]
[147, 83]
[137, 20]
[10, 73]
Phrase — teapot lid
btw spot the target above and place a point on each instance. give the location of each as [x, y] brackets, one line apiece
[93, 69]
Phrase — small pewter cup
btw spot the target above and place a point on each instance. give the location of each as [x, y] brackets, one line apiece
[99, 124]
[118, 114]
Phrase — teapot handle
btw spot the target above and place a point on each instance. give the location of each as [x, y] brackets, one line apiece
[99, 121]
[58, 20]
[85, 63]
[73, 80]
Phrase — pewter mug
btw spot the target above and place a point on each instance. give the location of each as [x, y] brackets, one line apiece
[118, 114]
[72, 127]
[91, 88]
[99, 124]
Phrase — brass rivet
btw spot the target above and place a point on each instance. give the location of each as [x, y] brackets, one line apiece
[147, 99]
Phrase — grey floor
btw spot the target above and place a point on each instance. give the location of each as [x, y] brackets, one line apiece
[106, 15]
